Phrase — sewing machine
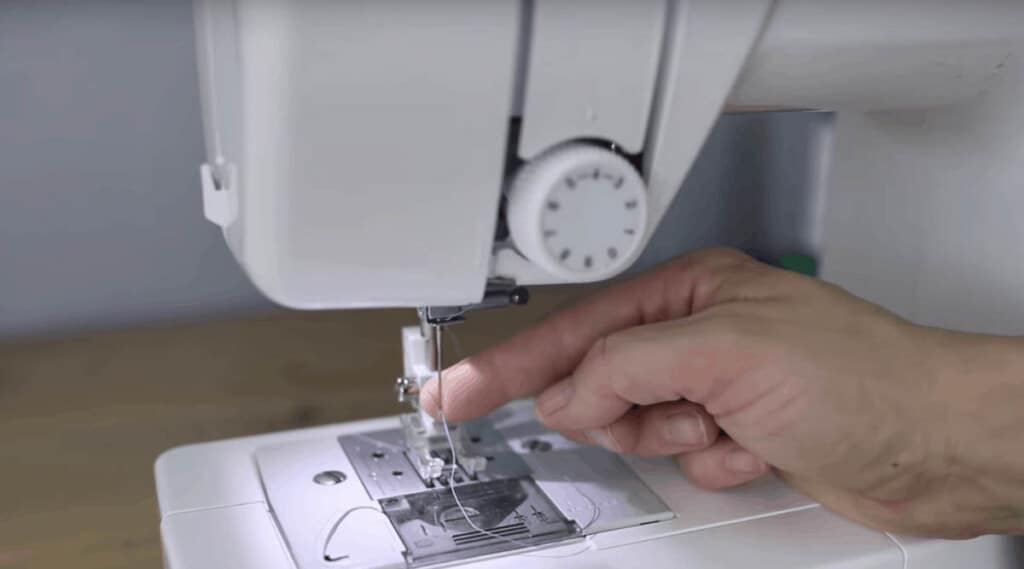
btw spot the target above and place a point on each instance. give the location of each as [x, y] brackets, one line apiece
[446, 155]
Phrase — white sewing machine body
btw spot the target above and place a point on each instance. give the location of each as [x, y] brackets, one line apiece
[392, 153]
[253, 503]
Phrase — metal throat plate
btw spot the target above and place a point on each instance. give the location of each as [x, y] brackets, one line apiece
[356, 502]
[503, 500]
[513, 513]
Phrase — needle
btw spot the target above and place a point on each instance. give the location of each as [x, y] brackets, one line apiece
[439, 364]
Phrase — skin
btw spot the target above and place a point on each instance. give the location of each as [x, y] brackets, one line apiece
[736, 369]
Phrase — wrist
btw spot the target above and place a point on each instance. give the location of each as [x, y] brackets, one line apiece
[981, 395]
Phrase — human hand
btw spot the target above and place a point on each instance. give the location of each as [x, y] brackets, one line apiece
[734, 367]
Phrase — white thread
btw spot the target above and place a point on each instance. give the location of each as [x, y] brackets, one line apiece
[336, 525]
[455, 495]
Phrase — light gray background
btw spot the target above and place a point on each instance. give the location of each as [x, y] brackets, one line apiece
[101, 219]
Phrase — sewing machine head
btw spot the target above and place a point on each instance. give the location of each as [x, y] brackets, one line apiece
[443, 155]
[408, 154]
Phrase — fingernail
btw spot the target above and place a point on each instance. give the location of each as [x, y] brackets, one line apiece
[685, 428]
[554, 398]
[603, 438]
[743, 462]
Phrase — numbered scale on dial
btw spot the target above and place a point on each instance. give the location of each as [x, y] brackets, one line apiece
[578, 211]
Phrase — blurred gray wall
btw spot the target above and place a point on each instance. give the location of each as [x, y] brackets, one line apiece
[101, 219]
[758, 185]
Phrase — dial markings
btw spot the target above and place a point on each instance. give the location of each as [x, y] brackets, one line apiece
[578, 234]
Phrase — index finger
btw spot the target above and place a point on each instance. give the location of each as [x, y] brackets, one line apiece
[548, 352]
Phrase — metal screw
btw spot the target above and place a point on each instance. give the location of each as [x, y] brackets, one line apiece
[406, 388]
[536, 445]
[329, 478]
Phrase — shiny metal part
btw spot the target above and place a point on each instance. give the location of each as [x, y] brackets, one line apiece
[542, 499]
[329, 477]
[504, 500]
[377, 456]
[422, 448]
[499, 293]
[513, 513]
[407, 390]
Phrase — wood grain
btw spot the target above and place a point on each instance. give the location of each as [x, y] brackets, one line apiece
[83, 418]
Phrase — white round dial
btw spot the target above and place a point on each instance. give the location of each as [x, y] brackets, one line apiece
[578, 211]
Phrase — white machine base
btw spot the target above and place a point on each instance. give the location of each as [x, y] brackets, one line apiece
[224, 504]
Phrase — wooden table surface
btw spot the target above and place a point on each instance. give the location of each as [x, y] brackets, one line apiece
[83, 418]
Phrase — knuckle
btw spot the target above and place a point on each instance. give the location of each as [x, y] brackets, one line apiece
[595, 362]
[721, 256]
[615, 376]
[599, 351]
[599, 358]
[707, 263]
[732, 329]
[607, 368]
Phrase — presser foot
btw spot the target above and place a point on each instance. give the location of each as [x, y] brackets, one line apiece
[430, 452]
